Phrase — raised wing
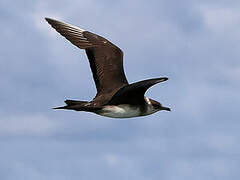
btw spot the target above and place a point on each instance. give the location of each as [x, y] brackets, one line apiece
[106, 59]
[134, 93]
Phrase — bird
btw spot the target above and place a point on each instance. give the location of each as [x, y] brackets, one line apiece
[115, 97]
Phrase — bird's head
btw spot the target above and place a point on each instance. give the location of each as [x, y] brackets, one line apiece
[158, 106]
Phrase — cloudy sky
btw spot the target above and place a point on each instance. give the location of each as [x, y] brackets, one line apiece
[195, 43]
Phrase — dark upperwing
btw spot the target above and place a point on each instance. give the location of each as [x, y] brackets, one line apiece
[106, 59]
[134, 93]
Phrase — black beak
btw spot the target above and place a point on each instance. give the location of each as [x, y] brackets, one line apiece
[166, 108]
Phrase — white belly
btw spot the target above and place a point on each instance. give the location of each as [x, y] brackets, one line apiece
[120, 111]
[125, 111]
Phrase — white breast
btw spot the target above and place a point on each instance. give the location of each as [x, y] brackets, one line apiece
[120, 111]
[125, 111]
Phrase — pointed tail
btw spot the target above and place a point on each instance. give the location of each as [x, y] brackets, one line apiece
[62, 107]
[78, 106]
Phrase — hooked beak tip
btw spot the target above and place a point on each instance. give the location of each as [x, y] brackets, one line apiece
[166, 108]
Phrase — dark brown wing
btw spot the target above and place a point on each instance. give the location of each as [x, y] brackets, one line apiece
[134, 93]
[106, 59]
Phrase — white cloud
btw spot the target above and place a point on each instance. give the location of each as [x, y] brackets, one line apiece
[28, 125]
[220, 19]
[40, 23]
[41, 10]
[231, 73]
[112, 159]
[222, 143]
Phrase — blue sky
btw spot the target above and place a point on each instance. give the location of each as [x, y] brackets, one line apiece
[194, 43]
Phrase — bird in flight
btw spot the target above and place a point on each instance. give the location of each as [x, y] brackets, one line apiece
[115, 97]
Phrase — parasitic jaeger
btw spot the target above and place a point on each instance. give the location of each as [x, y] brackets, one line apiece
[115, 97]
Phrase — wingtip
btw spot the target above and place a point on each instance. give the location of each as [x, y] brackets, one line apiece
[165, 78]
[49, 19]
[54, 22]
[59, 107]
[162, 79]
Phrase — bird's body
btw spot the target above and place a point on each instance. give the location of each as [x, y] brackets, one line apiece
[115, 97]
[127, 110]
[120, 111]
